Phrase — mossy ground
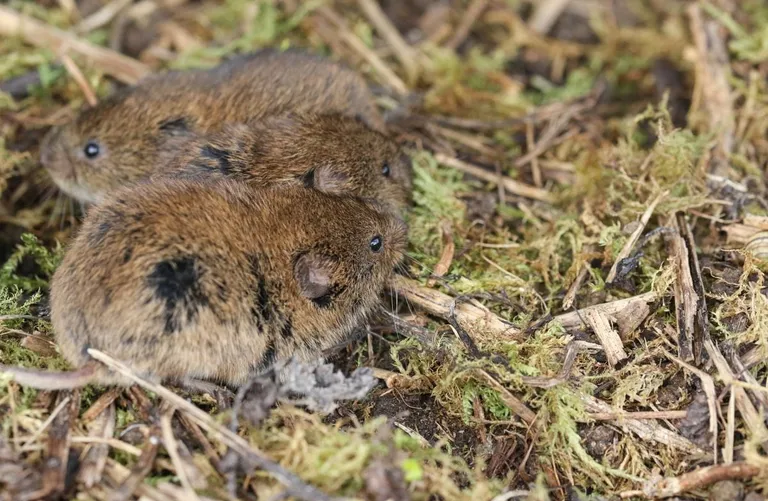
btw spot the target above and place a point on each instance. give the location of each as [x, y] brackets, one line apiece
[443, 427]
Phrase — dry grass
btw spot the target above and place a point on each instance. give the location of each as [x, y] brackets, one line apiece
[577, 156]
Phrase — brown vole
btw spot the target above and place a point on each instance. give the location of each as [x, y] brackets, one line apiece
[342, 153]
[146, 124]
[209, 279]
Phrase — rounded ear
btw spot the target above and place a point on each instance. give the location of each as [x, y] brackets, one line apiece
[327, 179]
[313, 274]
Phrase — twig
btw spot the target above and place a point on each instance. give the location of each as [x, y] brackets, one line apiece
[697, 479]
[102, 17]
[509, 184]
[101, 403]
[387, 75]
[172, 448]
[712, 73]
[55, 464]
[685, 298]
[632, 241]
[47, 422]
[446, 257]
[439, 304]
[79, 78]
[92, 466]
[573, 290]
[611, 416]
[645, 430]
[609, 338]
[708, 385]
[511, 401]
[546, 14]
[468, 19]
[701, 315]
[404, 52]
[37, 33]
[294, 485]
[133, 480]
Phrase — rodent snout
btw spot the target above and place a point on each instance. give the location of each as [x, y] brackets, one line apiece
[53, 157]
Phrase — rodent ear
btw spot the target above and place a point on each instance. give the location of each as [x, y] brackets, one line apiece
[326, 179]
[313, 275]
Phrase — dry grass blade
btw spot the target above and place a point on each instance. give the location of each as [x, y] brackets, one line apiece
[79, 78]
[380, 67]
[510, 185]
[404, 52]
[471, 14]
[634, 238]
[102, 17]
[95, 460]
[125, 69]
[294, 485]
[545, 15]
[745, 406]
[514, 403]
[169, 441]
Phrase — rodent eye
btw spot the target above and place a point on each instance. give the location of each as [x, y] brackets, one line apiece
[385, 169]
[376, 243]
[91, 149]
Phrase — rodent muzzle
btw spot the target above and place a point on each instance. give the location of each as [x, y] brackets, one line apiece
[52, 156]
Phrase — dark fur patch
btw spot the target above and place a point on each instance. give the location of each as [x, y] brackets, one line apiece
[270, 355]
[326, 300]
[218, 155]
[308, 179]
[127, 254]
[177, 283]
[175, 126]
[287, 331]
[262, 305]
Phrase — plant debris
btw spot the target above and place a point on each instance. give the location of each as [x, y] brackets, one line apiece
[583, 309]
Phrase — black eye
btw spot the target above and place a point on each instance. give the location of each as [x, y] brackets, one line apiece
[385, 169]
[376, 243]
[91, 150]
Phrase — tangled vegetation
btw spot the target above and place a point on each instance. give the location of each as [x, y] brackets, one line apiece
[589, 176]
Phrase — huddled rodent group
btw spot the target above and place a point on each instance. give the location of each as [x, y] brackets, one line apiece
[241, 215]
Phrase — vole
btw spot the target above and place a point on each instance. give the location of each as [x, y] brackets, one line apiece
[341, 153]
[209, 279]
[148, 123]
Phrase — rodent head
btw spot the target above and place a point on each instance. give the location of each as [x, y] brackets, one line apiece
[342, 269]
[119, 141]
[332, 153]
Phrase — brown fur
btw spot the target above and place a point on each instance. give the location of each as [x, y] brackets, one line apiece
[147, 124]
[340, 153]
[210, 279]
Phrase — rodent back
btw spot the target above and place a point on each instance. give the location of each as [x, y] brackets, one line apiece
[124, 136]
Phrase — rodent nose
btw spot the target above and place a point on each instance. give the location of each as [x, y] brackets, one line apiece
[51, 155]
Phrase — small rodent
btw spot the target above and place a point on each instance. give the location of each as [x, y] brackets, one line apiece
[341, 153]
[148, 123]
[208, 279]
